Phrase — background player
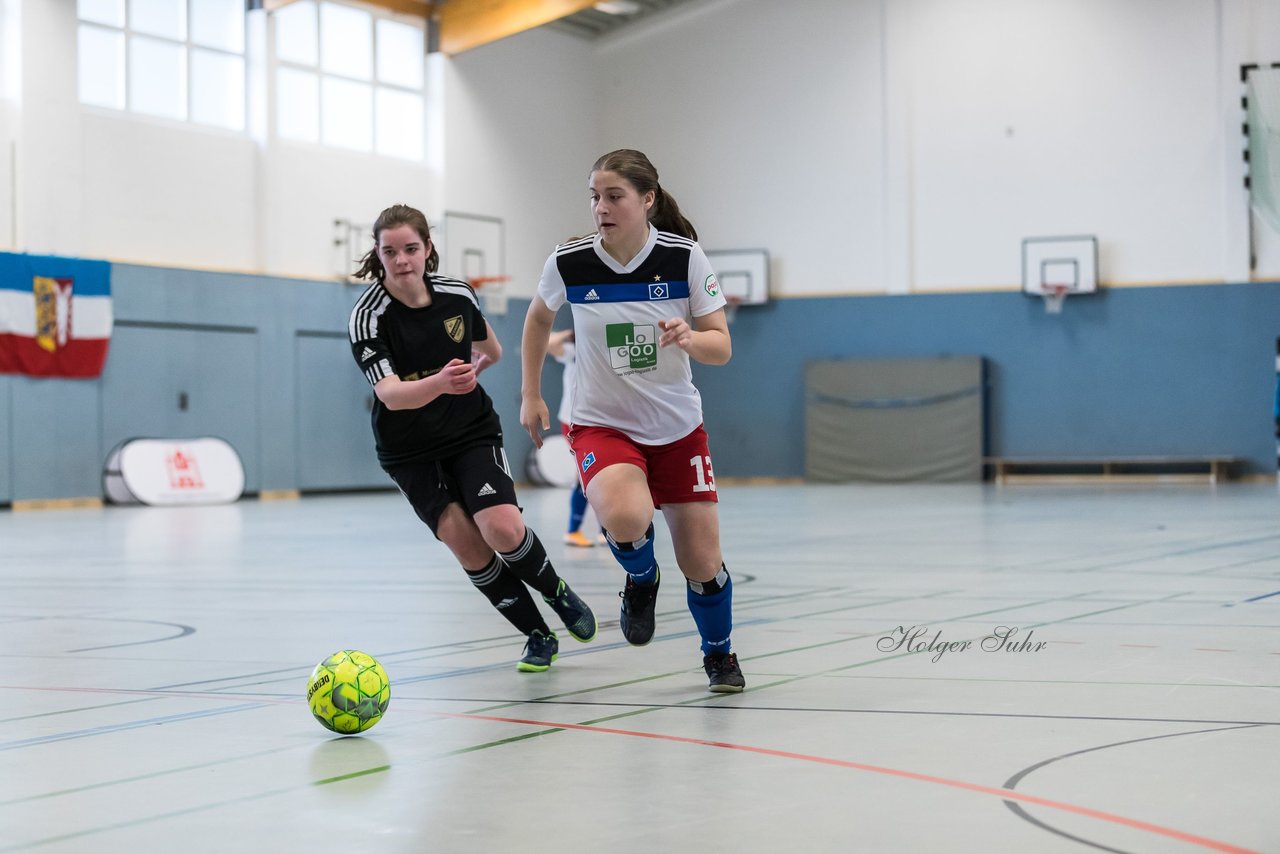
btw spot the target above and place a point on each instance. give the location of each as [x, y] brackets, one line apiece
[645, 300]
[414, 333]
[561, 348]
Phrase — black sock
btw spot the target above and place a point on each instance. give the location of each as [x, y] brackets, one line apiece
[509, 596]
[529, 563]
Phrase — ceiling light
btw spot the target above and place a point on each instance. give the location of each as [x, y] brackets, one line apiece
[618, 7]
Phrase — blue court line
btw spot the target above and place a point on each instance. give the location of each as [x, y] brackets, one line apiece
[593, 649]
[102, 730]
[1178, 553]
[567, 653]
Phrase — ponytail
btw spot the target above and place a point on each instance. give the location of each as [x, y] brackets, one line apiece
[666, 216]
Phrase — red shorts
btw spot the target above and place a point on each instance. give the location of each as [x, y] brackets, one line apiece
[678, 472]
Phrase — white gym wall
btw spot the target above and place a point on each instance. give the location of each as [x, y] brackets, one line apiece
[872, 146]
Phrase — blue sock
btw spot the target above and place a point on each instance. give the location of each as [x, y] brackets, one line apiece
[637, 558]
[577, 508]
[711, 604]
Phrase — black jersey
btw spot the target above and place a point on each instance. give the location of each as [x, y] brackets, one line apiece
[388, 337]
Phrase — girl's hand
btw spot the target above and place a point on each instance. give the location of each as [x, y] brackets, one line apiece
[535, 418]
[457, 377]
[675, 331]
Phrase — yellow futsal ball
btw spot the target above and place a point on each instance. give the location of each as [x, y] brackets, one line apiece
[348, 692]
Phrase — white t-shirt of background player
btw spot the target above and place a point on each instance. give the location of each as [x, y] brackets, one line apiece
[624, 379]
[567, 359]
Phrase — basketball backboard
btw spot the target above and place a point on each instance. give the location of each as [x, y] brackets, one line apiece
[1057, 267]
[1052, 263]
[743, 274]
[472, 248]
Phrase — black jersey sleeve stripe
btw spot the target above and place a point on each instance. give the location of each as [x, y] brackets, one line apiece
[461, 289]
[357, 314]
[368, 309]
[437, 281]
[379, 370]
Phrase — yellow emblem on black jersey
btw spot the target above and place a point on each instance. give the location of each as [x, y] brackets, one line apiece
[455, 327]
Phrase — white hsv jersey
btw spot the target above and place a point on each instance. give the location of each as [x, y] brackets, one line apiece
[565, 416]
[624, 379]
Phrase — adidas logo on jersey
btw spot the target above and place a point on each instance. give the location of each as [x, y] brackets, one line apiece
[487, 490]
[366, 354]
[592, 295]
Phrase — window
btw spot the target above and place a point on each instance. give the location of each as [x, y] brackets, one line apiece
[348, 79]
[343, 75]
[177, 59]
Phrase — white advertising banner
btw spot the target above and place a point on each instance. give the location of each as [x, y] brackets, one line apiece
[552, 464]
[171, 471]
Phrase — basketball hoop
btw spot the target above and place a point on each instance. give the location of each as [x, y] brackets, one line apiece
[479, 282]
[1054, 297]
[494, 291]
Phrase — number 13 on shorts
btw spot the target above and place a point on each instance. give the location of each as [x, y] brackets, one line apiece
[702, 471]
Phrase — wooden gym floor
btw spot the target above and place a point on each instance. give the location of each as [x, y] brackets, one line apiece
[153, 663]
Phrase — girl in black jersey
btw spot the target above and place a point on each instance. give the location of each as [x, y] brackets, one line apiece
[421, 342]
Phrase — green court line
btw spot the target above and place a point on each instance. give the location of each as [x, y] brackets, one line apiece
[858, 664]
[80, 834]
[1072, 682]
[631, 713]
[790, 679]
[627, 682]
[354, 774]
[512, 740]
[141, 777]
[787, 651]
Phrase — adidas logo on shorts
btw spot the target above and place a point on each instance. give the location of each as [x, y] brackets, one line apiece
[592, 295]
[487, 490]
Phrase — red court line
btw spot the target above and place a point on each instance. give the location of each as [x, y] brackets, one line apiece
[1003, 794]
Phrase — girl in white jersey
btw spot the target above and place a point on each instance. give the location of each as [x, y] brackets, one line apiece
[645, 301]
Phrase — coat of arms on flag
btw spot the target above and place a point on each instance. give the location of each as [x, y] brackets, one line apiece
[55, 315]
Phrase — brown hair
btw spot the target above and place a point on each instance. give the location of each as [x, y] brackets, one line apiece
[394, 217]
[636, 168]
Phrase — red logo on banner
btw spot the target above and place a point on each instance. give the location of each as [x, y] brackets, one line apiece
[184, 471]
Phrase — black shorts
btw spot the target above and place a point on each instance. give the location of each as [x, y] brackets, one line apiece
[477, 478]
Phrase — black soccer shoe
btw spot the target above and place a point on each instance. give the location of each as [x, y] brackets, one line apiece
[638, 602]
[723, 673]
[575, 613]
[539, 651]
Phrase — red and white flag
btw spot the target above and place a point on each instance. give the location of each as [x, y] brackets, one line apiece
[55, 315]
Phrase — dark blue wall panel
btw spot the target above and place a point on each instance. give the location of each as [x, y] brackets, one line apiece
[1185, 370]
